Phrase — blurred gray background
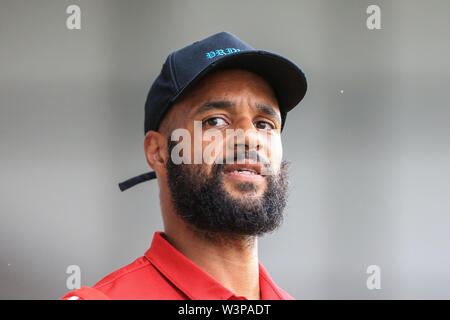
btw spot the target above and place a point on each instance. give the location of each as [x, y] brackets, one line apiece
[369, 144]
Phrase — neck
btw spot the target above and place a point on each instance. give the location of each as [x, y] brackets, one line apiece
[230, 259]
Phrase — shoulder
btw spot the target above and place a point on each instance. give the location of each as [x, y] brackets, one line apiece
[125, 273]
[137, 280]
[100, 290]
[117, 285]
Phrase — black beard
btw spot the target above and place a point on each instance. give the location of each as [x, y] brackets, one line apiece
[201, 200]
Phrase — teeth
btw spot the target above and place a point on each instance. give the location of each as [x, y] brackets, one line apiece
[245, 170]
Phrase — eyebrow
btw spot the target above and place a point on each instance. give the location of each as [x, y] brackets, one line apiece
[226, 104]
[269, 111]
[220, 104]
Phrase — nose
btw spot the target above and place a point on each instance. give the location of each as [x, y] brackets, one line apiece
[244, 141]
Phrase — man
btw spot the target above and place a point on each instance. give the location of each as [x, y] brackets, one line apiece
[213, 211]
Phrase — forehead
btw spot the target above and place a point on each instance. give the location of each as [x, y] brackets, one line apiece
[234, 83]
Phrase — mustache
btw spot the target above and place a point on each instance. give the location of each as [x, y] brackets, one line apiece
[252, 155]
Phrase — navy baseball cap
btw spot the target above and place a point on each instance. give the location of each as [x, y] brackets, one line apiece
[185, 67]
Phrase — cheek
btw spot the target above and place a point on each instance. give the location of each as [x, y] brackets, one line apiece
[275, 151]
[198, 144]
[213, 146]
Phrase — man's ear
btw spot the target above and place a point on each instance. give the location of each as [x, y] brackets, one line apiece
[155, 147]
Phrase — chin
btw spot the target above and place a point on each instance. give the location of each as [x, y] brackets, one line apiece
[245, 189]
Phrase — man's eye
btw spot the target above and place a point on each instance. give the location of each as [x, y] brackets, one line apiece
[264, 125]
[214, 122]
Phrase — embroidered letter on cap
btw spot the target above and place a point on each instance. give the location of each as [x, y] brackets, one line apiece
[221, 52]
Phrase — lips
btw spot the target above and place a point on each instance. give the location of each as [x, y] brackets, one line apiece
[244, 171]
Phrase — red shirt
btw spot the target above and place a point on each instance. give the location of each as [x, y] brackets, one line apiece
[164, 273]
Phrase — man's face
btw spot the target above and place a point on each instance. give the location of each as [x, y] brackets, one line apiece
[228, 195]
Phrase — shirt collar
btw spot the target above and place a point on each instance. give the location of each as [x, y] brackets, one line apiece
[192, 280]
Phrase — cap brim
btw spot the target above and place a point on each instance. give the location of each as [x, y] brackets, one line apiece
[287, 79]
